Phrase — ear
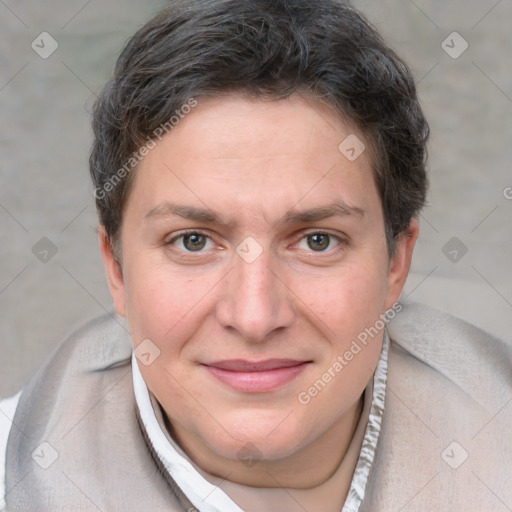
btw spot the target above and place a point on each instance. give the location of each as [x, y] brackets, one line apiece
[113, 271]
[401, 261]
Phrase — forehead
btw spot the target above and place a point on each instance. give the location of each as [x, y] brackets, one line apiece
[259, 155]
[237, 125]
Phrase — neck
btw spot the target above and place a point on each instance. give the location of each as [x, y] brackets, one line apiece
[309, 467]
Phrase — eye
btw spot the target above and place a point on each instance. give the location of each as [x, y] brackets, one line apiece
[191, 242]
[318, 242]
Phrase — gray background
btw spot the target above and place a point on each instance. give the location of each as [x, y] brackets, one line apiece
[45, 139]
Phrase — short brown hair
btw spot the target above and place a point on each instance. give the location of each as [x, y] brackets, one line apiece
[267, 48]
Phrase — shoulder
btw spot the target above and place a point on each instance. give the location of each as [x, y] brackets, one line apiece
[446, 425]
[98, 344]
[81, 360]
[86, 383]
[468, 358]
[7, 410]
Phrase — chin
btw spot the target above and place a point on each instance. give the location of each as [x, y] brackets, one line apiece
[255, 439]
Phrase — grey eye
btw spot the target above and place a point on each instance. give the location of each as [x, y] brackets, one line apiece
[194, 242]
[318, 241]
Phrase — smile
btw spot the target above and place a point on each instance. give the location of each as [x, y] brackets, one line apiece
[256, 377]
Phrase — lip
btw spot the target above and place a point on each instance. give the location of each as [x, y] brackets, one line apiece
[256, 376]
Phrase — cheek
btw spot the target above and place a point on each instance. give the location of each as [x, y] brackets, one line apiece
[162, 305]
[166, 309]
[348, 300]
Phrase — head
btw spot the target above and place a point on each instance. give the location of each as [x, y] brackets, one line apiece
[258, 168]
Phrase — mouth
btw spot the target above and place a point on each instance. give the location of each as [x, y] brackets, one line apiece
[256, 376]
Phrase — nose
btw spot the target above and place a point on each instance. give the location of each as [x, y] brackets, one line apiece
[255, 301]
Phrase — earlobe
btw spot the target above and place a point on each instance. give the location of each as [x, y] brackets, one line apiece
[400, 262]
[113, 271]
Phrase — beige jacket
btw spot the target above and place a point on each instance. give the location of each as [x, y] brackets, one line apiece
[445, 444]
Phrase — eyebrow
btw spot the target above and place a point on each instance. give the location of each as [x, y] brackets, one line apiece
[337, 209]
[186, 212]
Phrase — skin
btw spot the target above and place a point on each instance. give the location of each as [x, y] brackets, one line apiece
[252, 162]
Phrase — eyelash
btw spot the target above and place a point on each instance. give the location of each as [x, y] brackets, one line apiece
[342, 242]
[183, 234]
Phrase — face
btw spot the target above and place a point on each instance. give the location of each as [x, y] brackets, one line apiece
[253, 255]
